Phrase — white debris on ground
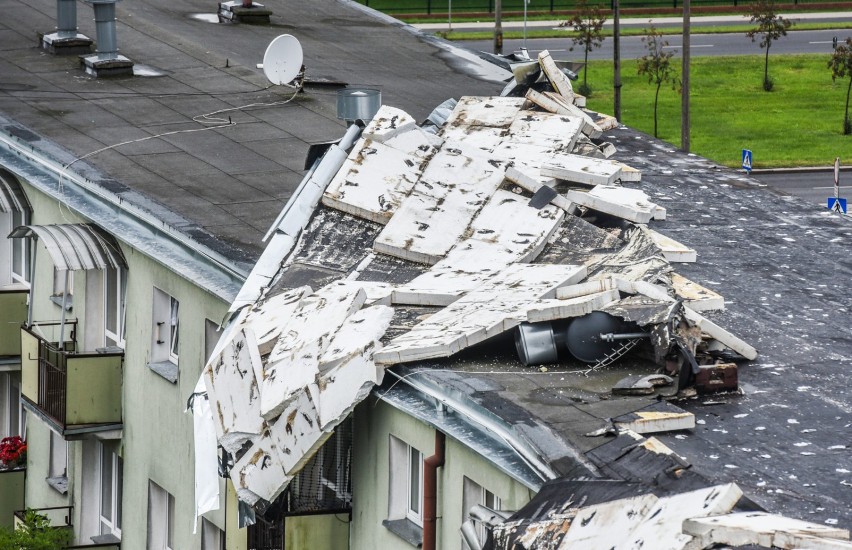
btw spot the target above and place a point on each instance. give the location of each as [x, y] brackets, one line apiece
[478, 200]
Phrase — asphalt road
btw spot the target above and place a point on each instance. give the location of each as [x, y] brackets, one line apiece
[702, 45]
[814, 186]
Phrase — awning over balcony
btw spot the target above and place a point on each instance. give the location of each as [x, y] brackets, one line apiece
[12, 196]
[75, 246]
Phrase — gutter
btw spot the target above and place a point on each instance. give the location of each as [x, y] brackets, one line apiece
[522, 448]
[430, 492]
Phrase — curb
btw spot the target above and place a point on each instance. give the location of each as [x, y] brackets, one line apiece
[799, 170]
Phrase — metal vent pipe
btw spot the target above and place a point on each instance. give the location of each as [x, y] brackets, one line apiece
[105, 27]
[66, 18]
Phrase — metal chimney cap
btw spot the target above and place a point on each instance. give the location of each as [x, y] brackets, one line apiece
[358, 103]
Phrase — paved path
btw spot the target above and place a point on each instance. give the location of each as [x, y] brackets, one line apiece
[702, 45]
[827, 17]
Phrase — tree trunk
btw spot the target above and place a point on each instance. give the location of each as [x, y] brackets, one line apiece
[846, 112]
[585, 66]
[766, 64]
[656, 97]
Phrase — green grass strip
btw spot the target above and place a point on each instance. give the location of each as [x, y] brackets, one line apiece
[799, 123]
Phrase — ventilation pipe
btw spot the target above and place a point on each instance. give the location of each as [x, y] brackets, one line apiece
[105, 28]
[66, 18]
[430, 492]
[106, 61]
[66, 40]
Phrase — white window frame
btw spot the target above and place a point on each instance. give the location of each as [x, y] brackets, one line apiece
[59, 282]
[472, 494]
[58, 466]
[20, 248]
[405, 471]
[112, 524]
[415, 479]
[11, 406]
[115, 336]
[166, 328]
[161, 518]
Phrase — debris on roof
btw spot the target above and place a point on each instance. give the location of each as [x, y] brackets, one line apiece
[424, 244]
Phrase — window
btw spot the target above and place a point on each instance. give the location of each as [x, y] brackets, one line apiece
[20, 251]
[63, 288]
[406, 482]
[115, 289]
[110, 480]
[166, 336]
[161, 518]
[13, 418]
[212, 537]
[415, 486]
[58, 468]
[473, 494]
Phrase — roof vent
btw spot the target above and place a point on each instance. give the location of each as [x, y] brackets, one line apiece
[358, 104]
[66, 40]
[107, 61]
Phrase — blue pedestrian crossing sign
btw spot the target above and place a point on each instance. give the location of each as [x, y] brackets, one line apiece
[837, 205]
[747, 160]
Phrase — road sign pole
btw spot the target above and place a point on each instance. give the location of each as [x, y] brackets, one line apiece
[837, 177]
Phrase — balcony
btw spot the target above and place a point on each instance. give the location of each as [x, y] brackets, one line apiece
[11, 494]
[13, 314]
[77, 393]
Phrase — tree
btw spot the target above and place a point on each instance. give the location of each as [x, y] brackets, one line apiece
[771, 27]
[657, 65]
[841, 67]
[35, 534]
[588, 23]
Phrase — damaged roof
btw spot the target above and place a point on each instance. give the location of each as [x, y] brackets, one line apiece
[425, 248]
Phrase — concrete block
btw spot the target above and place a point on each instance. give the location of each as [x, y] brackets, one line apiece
[630, 204]
[584, 170]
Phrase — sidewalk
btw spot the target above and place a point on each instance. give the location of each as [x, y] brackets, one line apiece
[695, 20]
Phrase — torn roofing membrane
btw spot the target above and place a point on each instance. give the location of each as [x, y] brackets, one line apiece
[429, 240]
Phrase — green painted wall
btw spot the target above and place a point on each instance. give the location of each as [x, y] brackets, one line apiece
[13, 312]
[158, 434]
[11, 495]
[325, 532]
[374, 423]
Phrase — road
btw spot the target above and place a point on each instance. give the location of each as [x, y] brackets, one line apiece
[813, 186]
[702, 45]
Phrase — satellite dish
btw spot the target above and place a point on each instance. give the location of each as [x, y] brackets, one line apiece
[283, 59]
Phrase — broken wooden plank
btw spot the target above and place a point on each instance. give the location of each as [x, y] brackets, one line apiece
[584, 289]
[434, 217]
[233, 389]
[716, 332]
[697, 297]
[584, 170]
[373, 182]
[665, 520]
[551, 310]
[496, 112]
[554, 74]
[532, 185]
[387, 123]
[590, 127]
[763, 529]
[497, 305]
[655, 418]
[630, 204]
[294, 361]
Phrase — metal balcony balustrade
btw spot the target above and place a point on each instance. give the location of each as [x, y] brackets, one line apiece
[77, 392]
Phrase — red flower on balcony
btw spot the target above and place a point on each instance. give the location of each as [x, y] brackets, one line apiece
[13, 452]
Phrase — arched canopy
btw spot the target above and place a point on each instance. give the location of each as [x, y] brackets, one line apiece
[75, 246]
[12, 196]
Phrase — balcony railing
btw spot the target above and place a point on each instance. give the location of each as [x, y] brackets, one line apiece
[76, 391]
[58, 517]
[12, 484]
[13, 314]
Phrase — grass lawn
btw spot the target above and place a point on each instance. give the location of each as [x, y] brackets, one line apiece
[799, 123]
